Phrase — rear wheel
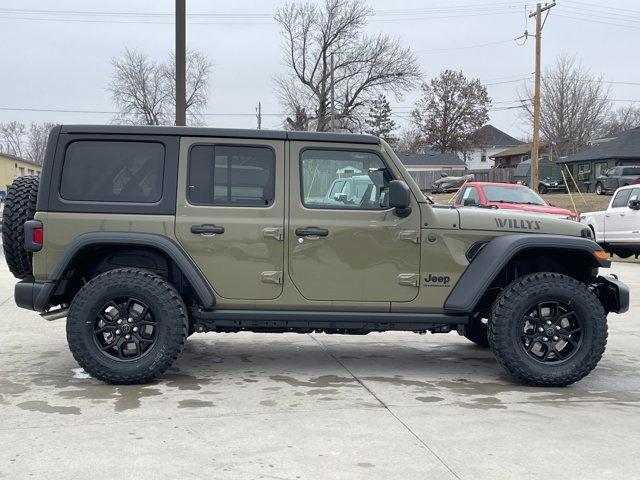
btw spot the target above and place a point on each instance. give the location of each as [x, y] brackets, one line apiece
[19, 207]
[126, 326]
[548, 329]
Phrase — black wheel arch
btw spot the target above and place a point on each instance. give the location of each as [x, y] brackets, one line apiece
[507, 257]
[93, 253]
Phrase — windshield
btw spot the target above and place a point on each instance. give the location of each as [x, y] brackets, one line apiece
[495, 193]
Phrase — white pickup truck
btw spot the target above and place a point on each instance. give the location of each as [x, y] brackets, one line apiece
[617, 229]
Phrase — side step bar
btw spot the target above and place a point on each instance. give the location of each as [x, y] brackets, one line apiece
[288, 320]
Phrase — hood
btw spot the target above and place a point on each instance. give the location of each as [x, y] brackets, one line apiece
[507, 220]
[535, 208]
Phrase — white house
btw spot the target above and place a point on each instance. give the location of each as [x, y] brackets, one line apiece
[488, 141]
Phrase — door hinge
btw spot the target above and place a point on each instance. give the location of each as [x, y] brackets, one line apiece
[273, 232]
[410, 235]
[409, 279]
[271, 277]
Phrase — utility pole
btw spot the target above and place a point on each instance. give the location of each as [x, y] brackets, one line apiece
[181, 74]
[333, 99]
[535, 150]
[259, 110]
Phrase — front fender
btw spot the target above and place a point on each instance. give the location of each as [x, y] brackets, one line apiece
[489, 261]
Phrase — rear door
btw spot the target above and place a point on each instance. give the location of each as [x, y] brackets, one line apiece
[357, 249]
[630, 220]
[230, 213]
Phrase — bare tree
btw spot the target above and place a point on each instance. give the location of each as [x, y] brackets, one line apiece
[410, 141]
[28, 143]
[621, 119]
[451, 109]
[12, 138]
[198, 71]
[36, 141]
[574, 105]
[364, 66]
[144, 90]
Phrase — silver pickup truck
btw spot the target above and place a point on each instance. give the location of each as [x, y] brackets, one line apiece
[617, 229]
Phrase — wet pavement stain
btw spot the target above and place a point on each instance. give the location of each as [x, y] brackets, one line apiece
[429, 399]
[44, 407]
[398, 381]
[319, 382]
[268, 403]
[126, 397]
[8, 387]
[322, 391]
[194, 403]
[182, 381]
[366, 465]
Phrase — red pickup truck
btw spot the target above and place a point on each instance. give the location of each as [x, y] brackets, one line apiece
[509, 196]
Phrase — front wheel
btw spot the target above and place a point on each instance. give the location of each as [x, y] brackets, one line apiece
[548, 329]
[599, 189]
[542, 189]
[126, 326]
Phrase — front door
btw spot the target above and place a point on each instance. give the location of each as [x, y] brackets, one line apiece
[615, 222]
[230, 214]
[348, 245]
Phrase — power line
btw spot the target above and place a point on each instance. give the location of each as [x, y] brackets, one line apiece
[478, 45]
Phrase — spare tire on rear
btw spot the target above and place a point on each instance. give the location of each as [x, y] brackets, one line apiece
[19, 207]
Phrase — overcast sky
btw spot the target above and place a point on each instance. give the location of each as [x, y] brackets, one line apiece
[55, 56]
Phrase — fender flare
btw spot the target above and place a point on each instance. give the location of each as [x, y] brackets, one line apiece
[495, 254]
[197, 280]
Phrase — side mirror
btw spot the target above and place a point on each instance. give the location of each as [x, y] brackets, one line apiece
[634, 204]
[340, 197]
[469, 202]
[400, 197]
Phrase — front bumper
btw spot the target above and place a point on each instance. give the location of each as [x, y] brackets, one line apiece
[613, 294]
[33, 295]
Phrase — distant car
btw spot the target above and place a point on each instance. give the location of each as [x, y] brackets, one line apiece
[617, 229]
[357, 191]
[550, 175]
[617, 177]
[450, 184]
[508, 196]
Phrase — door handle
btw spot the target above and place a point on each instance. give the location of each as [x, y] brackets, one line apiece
[206, 229]
[312, 232]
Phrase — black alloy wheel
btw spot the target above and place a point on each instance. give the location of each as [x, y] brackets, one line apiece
[551, 332]
[125, 328]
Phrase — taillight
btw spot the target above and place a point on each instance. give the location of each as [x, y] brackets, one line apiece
[38, 235]
[637, 180]
[33, 235]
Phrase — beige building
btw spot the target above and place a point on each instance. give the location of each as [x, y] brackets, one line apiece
[12, 167]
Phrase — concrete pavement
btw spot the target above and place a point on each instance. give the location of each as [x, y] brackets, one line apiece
[380, 406]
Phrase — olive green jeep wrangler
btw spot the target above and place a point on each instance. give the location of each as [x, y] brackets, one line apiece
[140, 236]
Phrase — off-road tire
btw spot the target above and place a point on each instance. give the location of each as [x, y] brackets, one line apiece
[598, 189]
[476, 331]
[19, 207]
[165, 304]
[513, 303]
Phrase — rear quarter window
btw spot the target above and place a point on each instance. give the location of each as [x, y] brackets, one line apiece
[113, 171]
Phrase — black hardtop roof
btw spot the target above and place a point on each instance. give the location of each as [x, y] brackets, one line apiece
[221, 132]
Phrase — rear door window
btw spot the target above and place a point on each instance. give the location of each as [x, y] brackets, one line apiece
[113, 171]
[231, 175]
